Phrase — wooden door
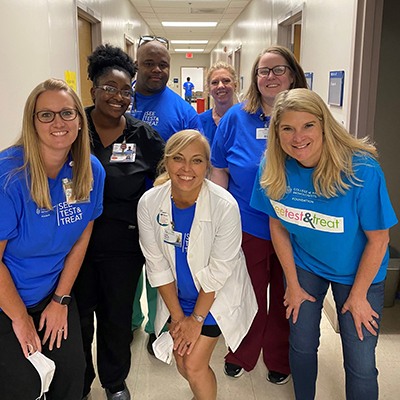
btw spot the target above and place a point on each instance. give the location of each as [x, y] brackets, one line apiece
[85, 49]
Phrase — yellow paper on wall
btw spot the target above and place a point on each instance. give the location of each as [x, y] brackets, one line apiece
[70, 78]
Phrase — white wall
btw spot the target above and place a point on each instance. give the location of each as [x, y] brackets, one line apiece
[38, 40]
[327, 40]
[180, 60]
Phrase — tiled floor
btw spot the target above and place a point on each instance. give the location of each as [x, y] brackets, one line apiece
[150, 379]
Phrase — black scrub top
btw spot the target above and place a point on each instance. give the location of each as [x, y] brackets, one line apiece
[115, 231]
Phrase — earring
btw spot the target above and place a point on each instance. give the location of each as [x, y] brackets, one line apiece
[79, 128]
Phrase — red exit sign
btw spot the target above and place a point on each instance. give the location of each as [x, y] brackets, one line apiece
[189, 55]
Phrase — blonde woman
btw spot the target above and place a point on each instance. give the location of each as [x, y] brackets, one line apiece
[221, 84]
[51, 191]
[330, 216]
[190, 236]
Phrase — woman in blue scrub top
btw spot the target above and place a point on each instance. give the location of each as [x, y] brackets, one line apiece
[190, 235]
[51, 190]
[330, 216]
[238, 146]
[221, 83]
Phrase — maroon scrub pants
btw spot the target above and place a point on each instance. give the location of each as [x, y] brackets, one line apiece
[270, 330]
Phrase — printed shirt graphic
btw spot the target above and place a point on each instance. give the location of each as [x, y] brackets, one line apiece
[188, 88]
[166, 112]
[40, 239]
[327, 235]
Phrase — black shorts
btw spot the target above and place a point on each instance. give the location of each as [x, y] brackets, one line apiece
[207, 330]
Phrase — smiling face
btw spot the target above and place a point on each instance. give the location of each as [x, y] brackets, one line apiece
[153, 63]
[187, 170]
[222, 87]
[111, 105]
[269, 86]
[301, 137]
[58, 135]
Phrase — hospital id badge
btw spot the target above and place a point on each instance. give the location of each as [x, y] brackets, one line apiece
[67, 186]
[123, 152]
[262, 133]
[173, 237]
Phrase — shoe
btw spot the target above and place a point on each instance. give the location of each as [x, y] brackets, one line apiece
[277, 378]
[233, 370]
[152, 338]
[121, 395]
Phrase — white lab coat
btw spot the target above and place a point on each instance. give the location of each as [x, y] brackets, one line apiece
[214, 256]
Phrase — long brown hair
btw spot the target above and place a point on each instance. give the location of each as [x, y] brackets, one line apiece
[253, 96]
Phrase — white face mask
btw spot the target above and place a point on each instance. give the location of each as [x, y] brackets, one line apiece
[45, 368]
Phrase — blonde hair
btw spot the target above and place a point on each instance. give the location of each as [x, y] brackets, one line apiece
[221, 65]
[253, 96]
[338, 148]
[33, 160]
[175, 144]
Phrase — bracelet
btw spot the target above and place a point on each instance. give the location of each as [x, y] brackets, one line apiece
[174, 321]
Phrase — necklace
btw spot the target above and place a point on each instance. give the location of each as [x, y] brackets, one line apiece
[216, 113]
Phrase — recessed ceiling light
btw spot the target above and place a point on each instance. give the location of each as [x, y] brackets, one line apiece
[190, 50]
[189, 41]
[190, 24]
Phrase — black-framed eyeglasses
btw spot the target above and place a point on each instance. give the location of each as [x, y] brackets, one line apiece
[278, 70]
[149, 38]
[111, 90]
[47, 116]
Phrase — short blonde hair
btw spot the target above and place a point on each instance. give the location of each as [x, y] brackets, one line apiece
[175, 144]
[221, 65]
[253, 96]
[338, 148]
[80, 149]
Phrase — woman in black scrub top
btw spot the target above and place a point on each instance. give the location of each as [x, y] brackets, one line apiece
[129, 150]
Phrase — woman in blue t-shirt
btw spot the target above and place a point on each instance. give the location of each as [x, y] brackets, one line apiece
[221, 83]
[238, 146]
[190, 235]
[330, 216]
[51, 191]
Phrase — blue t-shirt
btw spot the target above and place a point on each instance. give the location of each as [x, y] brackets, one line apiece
[327, 235]
[187, 292]
[166, 112]
[188, 88]
[209, 126]
[236, 147]
[40, 239]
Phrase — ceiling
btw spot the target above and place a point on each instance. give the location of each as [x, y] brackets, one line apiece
[223, 12]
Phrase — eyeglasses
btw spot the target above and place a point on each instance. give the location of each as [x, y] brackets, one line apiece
[48, 116]
[148, 38]
[111, 90]
[278, 70]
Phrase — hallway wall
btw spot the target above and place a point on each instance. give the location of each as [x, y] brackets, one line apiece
[38, 40]
[326, 43]
[387, 131]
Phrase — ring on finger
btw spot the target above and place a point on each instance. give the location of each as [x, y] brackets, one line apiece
[372, 321]
[61, 330]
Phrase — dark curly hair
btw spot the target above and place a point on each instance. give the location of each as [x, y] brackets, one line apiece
[106, 58]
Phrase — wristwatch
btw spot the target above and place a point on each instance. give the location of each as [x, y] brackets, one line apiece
[198, 318]
[63, 300]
